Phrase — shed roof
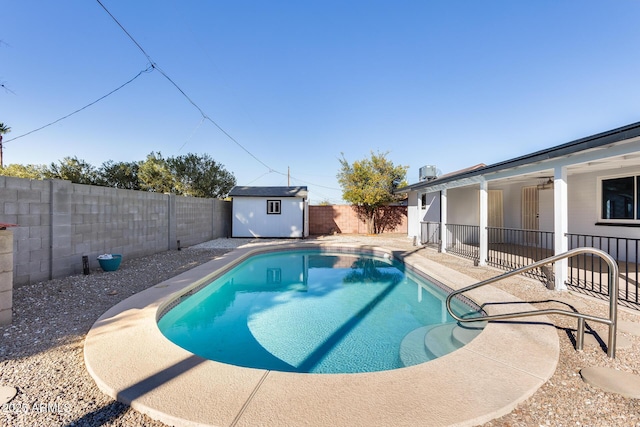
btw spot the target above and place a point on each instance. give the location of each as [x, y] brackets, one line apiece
[567, 149]
[240, 191]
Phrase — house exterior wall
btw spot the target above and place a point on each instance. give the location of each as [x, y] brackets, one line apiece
[417, 214]
[584, 205]
[250, 218]
[59, 222]
[413, 218]
[511, 202]
[463, 206]
[431, 211]
[545, 210]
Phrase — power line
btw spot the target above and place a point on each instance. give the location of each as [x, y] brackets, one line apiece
[6, 88]
[192, 134]
[148, 69]
[317, 185]
[191, 101]
[254, 180]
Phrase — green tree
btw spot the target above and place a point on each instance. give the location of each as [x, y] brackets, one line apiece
[24, 171]
[75, 170]
[369, 185]
[155, 175]
[120, 175]
[200, 176]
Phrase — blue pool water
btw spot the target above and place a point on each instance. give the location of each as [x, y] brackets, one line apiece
[307, 311]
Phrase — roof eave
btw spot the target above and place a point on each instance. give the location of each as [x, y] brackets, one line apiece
[595, 141]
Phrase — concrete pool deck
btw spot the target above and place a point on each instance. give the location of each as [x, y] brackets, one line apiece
[131, 361]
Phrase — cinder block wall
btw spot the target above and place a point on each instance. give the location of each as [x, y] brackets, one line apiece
[6, 276]
[59, 222]
[198, 220]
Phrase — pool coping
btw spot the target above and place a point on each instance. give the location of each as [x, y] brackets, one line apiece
[131, 361]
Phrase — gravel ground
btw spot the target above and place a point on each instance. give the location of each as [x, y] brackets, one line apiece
[41, 353]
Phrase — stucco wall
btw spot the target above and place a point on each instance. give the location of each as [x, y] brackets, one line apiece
[429, 212]
[584, 205]
[463, 206]
[59, 222]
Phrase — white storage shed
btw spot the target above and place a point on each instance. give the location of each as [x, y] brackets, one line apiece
[274, 212]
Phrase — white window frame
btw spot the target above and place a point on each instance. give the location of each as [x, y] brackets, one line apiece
[274, 207]
[636, 213]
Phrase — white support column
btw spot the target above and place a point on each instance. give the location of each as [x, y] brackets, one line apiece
[484, 215]
[560, 224]
[443, 221]
[420, 218]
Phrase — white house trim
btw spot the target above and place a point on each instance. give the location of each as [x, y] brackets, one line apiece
[571, 164]
[484, 216]
[561, 225]
[443, 230]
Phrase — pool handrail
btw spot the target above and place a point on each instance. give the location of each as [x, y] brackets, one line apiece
[611, 321]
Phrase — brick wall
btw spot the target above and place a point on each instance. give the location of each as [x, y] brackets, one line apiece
[59, 222]
[343, 219]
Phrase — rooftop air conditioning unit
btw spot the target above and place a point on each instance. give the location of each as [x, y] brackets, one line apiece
[428, 173]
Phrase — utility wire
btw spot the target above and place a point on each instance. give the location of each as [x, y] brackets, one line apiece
[6, 88]
[192, 133]
[254, 180]
[192, 102]
[148, 69]
[166, 76]
[127, 33]
[311, 183]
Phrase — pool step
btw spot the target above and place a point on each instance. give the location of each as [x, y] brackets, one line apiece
[412, 349]
[463, 334]
[440, 340]
[430, 342]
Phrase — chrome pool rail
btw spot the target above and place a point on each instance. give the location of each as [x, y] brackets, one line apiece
[611, 321]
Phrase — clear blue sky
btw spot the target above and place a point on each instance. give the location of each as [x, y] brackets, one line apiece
[448, 83]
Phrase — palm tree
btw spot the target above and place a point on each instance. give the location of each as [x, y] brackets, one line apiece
[3, 129]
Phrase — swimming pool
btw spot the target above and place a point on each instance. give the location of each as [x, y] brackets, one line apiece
[133, 362]
[311, 311]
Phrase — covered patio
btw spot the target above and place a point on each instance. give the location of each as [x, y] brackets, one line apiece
[585, 193]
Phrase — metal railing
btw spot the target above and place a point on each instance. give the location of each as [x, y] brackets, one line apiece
[510, 248]
[430, 233]
[586, 272]
[613, 298]
[463, 240]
